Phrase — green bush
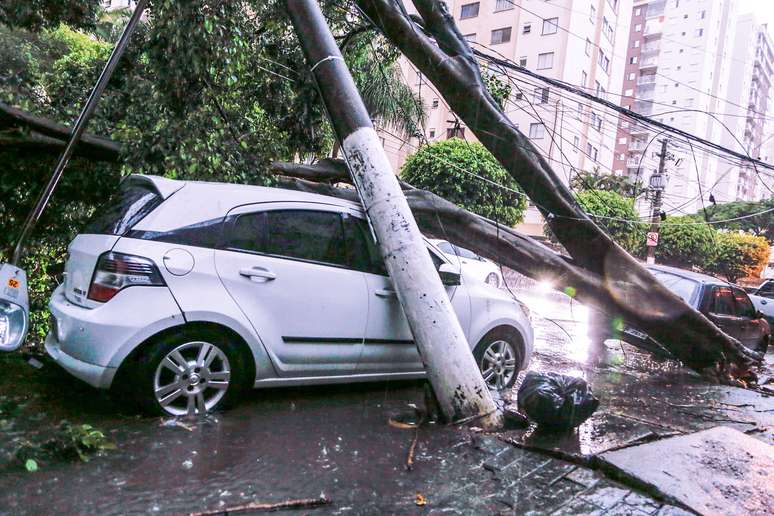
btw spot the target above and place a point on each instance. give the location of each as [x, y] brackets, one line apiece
[684, 245]
[448, 169]
[610, 210]
[740, 255]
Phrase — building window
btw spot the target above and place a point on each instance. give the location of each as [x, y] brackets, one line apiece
[518, 95]
[537, 131]
[607, 29]
[575, 142]
[603, 60]
[638, 27]
[596, 121]
[632, 76]
[541, 96]
[501, 36]
[699, 33]
[527, 28]
[470, 38]
[633, 60]
[638, 11]
[593, 14]
[637, 44]
[469, 10]
[503, 5]
[584, 78]
[703, 15]
[589, 46]
[435, 103]
[545, 61]
[550, 26]
[592, 151]
[432, 133]
[522, 61]
[629, 93]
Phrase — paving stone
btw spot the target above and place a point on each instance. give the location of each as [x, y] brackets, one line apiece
[624, 509]
[584, 476]
[551, 472]
[490, 444]
[502, 460]
[671, 510]
[641, 502]
[716, 471]
[579, 506]
[605, 494]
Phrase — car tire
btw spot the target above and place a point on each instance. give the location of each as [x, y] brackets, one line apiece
[188, 373]
[499, 356]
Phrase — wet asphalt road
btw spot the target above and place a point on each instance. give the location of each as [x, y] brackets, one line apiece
[336, 440]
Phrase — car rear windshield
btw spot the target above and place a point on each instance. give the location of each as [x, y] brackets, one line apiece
[683, 287]
[124, 209]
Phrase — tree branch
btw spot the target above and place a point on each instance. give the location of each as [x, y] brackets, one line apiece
[51, 135]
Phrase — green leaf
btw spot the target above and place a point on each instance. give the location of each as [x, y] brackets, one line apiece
[31, 465]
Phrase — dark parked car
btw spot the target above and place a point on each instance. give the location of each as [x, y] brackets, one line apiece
[728, 306]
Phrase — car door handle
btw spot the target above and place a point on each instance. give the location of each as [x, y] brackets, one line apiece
[258, 272]
[385, 292]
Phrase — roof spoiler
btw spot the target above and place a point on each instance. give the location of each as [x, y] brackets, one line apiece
[163, 186]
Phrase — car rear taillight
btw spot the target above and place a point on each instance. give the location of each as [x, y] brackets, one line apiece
[116, 271]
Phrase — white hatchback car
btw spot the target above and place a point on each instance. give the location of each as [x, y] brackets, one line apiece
[486, 270]
[182, 294]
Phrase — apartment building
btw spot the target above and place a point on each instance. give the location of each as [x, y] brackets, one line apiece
[677, 70]
[748, 110]
[582, 42]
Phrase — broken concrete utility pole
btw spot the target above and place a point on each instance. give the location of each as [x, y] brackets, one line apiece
[451, 369]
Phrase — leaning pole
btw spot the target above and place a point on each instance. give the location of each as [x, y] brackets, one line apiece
[461, 391]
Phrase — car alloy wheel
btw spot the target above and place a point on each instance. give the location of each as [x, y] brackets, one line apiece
[192, 379]
[498, 364]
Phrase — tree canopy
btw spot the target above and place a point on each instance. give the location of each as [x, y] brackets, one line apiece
[613, 212]
[758, 225]
[466, 174]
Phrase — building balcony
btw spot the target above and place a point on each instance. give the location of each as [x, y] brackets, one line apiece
[637, 146]
[653, 30]
[651, 48]
[649, 62]
[645, 80]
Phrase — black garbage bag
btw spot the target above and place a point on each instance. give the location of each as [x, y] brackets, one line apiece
[555, 401]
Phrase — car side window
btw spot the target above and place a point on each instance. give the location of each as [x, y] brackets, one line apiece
[363, 253]
[766, 290]
[723, 301]
[315, 236]
[744, 307]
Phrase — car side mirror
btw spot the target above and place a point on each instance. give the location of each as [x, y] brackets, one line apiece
[450, 276]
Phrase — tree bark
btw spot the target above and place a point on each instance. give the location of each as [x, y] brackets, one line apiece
[441, 53]
[683, 333]
[49, 136]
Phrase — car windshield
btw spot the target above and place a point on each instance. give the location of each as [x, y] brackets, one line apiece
[123, 210]
[684, 288]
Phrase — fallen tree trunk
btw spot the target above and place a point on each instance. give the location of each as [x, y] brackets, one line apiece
[438, 49]
[683, 333]
[48, 136]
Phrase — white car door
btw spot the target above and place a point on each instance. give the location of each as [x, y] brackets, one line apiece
[389, 345]
[285, 265]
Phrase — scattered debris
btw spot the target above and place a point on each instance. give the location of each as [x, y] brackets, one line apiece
[304, 503]
[556, 402]
[176, 423]
[514, 420]
[71, 442]
[420, 500]
[412, 448]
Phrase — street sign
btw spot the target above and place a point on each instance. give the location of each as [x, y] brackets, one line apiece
[652, 239]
